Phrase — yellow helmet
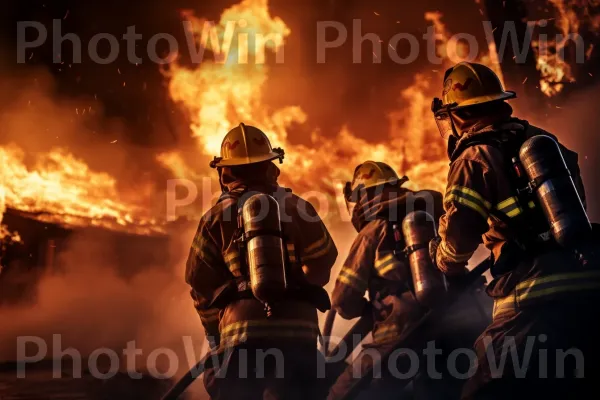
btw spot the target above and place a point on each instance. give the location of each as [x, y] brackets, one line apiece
[244, 145]
[467, 84]
[370, 174]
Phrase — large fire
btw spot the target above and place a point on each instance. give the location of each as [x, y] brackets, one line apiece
[62, 189]
[219, 94]
[222, 92]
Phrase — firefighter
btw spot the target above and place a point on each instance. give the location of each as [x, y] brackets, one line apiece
[545, 295]
[227, 274]
[377, 264]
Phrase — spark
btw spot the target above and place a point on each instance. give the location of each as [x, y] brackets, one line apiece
[590, 74]
[31, 56]
[376, 13]
[525, 80]
[66, 15]
[119, 71]
[114, 141]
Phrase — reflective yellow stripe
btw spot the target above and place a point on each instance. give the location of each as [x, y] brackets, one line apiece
[385, 257]
[510, 207]
[321, 252]
[386, 263]
[205, 249]
[506, 203]
[557, 277]
[238, 332]
[453, 256]
[546, 286]
[472, 205]
[471, 193]
[351, 278]
[283, 323]
[558, 289]
[317, 244]
[232, 260]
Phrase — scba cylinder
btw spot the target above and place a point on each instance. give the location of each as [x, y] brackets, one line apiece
[418, 228]
[264, 243]
[556, 193]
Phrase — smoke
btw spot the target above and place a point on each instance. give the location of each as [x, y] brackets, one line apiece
[574, 123]
[92, 304]
[90, 298]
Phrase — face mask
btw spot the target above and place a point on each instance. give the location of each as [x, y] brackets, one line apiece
[443, 118]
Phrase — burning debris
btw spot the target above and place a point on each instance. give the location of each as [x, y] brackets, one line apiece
[62, 189]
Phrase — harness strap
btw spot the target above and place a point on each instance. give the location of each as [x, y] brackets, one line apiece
[415, 247]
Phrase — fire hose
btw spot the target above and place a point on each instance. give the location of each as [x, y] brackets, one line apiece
[362, 327]
[413, 336]
[185, 381]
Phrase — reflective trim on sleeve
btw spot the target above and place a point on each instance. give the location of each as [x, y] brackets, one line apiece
[205, 249]
[350, 278]
[540, 289]
[510, 207]
[318, 249]
[232, 260]
[470, 198]
[386, 262]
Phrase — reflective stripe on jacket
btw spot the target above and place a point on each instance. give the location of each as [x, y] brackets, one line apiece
[542, 288]
[215, 261]
[479, 188]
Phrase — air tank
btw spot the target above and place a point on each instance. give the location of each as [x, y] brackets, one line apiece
[264, 244]
[556, 193]
[418, 228]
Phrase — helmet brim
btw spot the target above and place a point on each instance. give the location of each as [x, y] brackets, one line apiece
[507, 95]
[382, 182]
[232, 162]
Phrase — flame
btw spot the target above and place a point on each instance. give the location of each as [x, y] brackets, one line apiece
[60, 188]
[222, 92]
[555, 70]
[219, 94]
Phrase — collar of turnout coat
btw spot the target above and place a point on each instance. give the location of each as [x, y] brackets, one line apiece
[392, 204]
[512, 125]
